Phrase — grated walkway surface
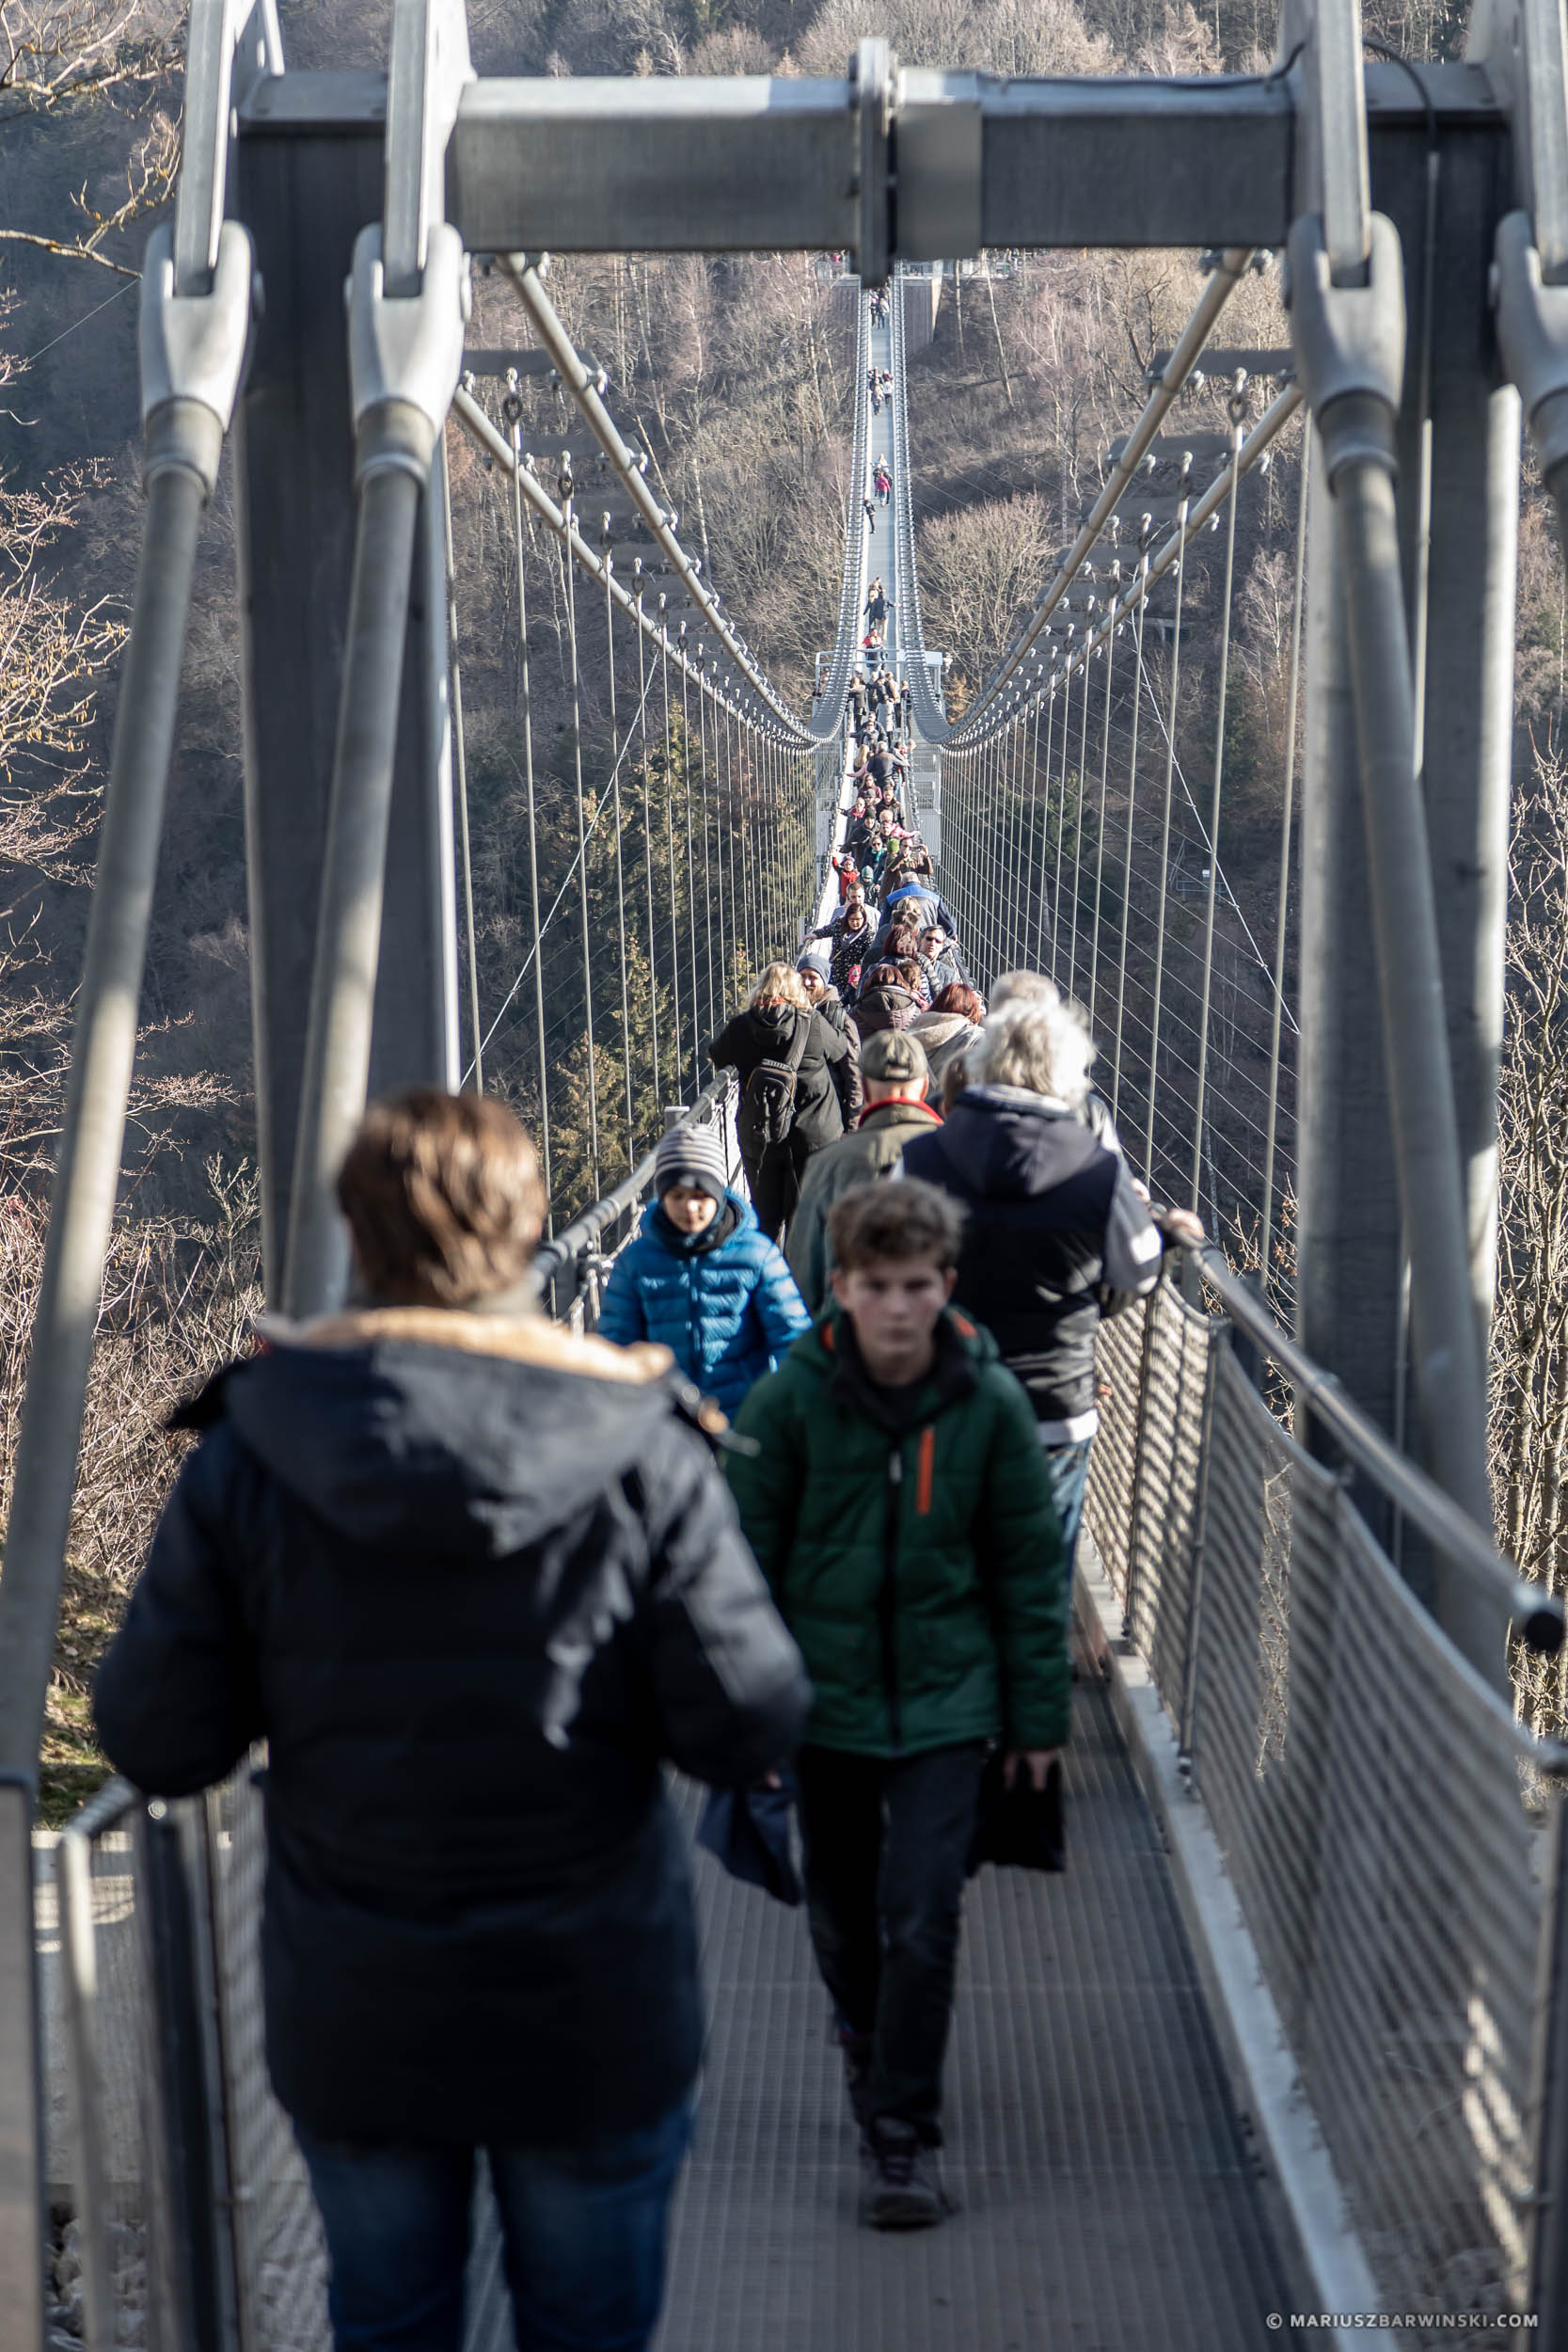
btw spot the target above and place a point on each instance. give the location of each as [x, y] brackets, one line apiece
[1107, 2196]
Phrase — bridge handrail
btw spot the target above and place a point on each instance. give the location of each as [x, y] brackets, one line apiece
[1538, 1615]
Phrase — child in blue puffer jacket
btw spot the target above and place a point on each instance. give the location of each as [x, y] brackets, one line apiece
[702, 1277]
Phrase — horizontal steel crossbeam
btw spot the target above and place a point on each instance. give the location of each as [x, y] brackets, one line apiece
[749, 163]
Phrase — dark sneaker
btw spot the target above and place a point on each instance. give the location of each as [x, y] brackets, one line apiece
[902, 2191]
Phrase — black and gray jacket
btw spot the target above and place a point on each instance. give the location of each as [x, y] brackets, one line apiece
[473, 1581]
[764, 1033]
[1055, 1236]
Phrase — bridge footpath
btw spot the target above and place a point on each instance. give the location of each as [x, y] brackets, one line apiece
[1108, 2193]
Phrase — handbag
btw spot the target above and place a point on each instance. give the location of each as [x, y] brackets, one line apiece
[748, 1831]
[1022, 1827]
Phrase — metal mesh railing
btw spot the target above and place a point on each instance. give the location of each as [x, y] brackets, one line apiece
[1380, 1811]
[280, 2255]
[104, 2284]
[1144, 1471]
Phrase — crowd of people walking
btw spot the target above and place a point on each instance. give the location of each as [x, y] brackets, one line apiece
[799, 1520]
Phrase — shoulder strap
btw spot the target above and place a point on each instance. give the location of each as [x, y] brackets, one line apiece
[798, 1042]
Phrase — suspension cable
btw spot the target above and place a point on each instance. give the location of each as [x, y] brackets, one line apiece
[1077, 825]
[1165, 849]
[648, 845]
[1266, 1230]
[1229, 269]
[575, 689]
[691, 926]
[460, 766]
[531, 961]
[1099, 828]
[532, 830]
[1236, 417]
[1042, 835]
[673, 903]
[1132, 797]
[1061, 821]
[620, 866]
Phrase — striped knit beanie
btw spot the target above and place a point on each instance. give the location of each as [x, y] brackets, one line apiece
[691, 1156]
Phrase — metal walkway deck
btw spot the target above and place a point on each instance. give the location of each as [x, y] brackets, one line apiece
[1108, 2200]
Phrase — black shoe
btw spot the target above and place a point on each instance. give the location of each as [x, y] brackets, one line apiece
[902, 2190]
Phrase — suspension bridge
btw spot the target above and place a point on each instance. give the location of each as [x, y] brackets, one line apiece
[1291, 2037]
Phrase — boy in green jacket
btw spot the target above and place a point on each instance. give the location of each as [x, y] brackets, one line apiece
[901, 1509]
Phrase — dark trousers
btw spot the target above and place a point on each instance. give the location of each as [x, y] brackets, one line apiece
[886, 1840]
[775, 1182]
[583, 2237]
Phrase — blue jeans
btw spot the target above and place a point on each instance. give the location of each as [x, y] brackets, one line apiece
[583, 2231]
[1069, 1477]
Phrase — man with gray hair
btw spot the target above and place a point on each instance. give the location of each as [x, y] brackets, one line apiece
[1056, 1234]
[1034, 988]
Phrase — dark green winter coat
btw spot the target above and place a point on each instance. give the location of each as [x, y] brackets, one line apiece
[912, 1545]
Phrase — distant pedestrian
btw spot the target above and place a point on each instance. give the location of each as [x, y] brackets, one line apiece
[815, 968]
[851, 945]
[886, 1001]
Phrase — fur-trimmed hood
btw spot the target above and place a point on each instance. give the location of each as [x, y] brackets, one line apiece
[401, 1425]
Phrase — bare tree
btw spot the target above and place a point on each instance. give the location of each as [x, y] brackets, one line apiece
[1529, 1350]
[52, 52]
[978, 567]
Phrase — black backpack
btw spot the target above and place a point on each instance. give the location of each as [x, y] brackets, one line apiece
[767, 1110]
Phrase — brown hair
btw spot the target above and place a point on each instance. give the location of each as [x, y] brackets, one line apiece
[878, 1221]
[883, 976]
[956, 997]
[901, 941]
[781, 984]
[909, 974]
[442, 1195]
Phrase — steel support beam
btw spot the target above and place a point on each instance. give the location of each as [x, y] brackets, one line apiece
[1470, 578]
[749, 163]
[310, 176]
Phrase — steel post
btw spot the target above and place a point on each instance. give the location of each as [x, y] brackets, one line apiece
[1467, 766]
[308, 173]
[1449, 1377]
[1349, 1246]
[184, 2187]
[351, 890]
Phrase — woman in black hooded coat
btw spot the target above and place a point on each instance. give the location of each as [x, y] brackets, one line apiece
[765, 1031]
